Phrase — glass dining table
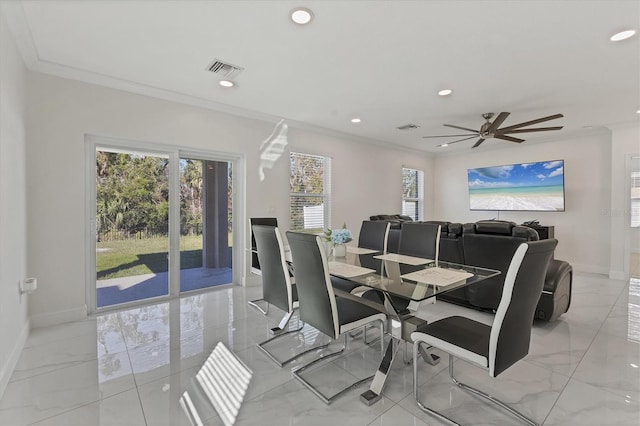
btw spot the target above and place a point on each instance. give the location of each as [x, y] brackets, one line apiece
[403, 282]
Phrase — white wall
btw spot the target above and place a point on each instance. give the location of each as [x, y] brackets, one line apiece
[582, 230]
[366, 179]
[14, 324]
[625, 143]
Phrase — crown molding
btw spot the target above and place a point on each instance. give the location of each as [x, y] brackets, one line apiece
[19, 26]
[17, 23]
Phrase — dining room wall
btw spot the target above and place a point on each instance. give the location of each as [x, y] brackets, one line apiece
[366, 177]
[582, 230]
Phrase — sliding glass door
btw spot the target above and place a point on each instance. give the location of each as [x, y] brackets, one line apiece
[160, 222]
[132, 218]
[205, 223]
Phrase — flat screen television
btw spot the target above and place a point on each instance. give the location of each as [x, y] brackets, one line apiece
[535, 186]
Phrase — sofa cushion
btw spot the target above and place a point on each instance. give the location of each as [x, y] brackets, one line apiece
[500, 227]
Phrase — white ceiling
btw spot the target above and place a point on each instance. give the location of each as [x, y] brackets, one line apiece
[383, 61]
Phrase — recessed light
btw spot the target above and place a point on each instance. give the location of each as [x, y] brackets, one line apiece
[445, 92]
[355, 120]
[623, 35]
[638, 111]
[226, 83]
[301, 15]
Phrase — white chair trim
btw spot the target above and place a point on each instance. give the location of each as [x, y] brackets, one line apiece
[357, 324]
[386, 238]
[507, 292]
[285, 269]
[332, 296]
[438, 245]
[457, 351]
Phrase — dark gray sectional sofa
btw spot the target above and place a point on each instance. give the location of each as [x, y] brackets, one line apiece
[491, 244]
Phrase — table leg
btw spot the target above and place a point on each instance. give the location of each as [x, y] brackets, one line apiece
[374, 393]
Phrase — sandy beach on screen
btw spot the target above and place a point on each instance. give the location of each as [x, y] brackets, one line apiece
[534, 202]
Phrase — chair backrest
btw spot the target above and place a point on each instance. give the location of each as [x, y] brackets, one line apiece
[420, 240]
[276, 282]
[270, 221]
[511, 329]
[503, 238]
[317, 301]
[373, 235]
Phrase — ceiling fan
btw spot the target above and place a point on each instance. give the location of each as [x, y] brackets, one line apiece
[490, 129]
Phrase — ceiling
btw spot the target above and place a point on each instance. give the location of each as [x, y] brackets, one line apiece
[381, 61]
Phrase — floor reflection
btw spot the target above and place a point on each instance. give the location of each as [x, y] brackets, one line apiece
[634, 310]
[225, 380]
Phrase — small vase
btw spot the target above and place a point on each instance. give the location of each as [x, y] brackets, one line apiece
[339, 250]
[328, 246]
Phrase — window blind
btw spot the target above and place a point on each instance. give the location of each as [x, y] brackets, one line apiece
[412, 193]
[309, 192]
[635, 199]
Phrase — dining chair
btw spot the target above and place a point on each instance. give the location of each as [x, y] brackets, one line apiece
[374, 236]
[277, 286]
[417, 240]
[255, 261]
[500, 345]
[333, 316]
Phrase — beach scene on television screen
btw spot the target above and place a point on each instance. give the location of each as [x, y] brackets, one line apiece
[528, 186]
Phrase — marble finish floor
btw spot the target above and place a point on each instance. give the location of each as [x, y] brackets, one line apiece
[161, 365]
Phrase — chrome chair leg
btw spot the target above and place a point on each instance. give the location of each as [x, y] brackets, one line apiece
[404, 356]
[328, 400]
[279, 332]
[283, 324]
[374, 339]
[254, 303]
[463, 386]
[280, 363]
[488, 397]
[423, 407]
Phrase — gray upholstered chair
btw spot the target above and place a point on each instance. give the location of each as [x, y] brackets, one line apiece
[419, 240]
[373, 235]
[320, 308]
[277, 286]
[270, 221]
[506, 341]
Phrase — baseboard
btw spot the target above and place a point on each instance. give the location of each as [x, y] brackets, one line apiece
[590, 269]
[618, 275]
[59, 317]
[7, 369]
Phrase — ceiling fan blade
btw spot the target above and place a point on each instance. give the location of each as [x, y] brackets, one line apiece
[498, 121]
[529, 123]
[478, 143]
[462, 128]
[448, 136]
[459, 140]
[508, 138]
[538, 129]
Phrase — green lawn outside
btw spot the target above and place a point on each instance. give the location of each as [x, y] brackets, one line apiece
[115, 259]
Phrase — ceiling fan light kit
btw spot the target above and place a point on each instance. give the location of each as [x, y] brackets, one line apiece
[492, 130]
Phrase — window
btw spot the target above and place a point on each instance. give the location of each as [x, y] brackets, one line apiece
[310, 192]
[412, 193]
[635, 199]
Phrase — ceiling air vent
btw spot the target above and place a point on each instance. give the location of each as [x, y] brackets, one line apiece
[224, 69]
[409, 126]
